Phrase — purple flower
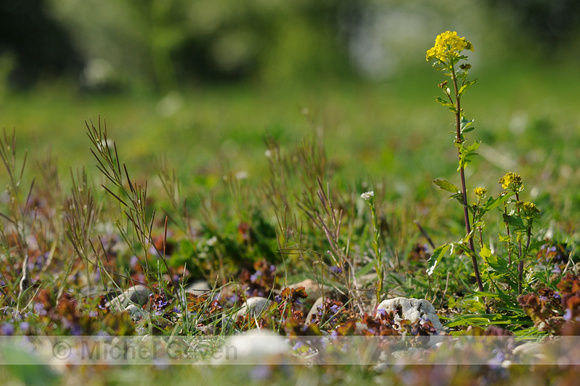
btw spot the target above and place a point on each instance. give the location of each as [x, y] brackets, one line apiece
[255, 276]
[334, 309]
[7, 329]
[76, 330]
[556, 270]
[39, 309]
[381, 312]
[568, 315]
[278, 299]
[261, 373]
[297, 345]
[133, 261]
[336, 269]
[233, 298]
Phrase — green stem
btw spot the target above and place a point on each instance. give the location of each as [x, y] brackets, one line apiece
[460, 140]
[377, 250]
[521, 258]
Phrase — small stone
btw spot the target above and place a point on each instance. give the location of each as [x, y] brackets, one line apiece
[200, 287]
[411, 310]
[258, 346]
[314, 310]
[254, 306]
[527, 348]
[313, 290]
[138, 295]
[136, 313]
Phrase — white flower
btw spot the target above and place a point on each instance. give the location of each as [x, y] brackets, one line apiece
[367, 196]
[211, 241]
[241, 175]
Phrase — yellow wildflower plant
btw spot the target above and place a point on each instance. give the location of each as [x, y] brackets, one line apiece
[448, 47]
[512, 181]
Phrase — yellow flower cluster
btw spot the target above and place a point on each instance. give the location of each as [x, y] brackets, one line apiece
[529, 208]
[448, 45]
[480, 192]
[512, 181]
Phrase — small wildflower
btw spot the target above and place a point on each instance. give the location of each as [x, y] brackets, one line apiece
[480, 192]
[211, 241]
[367, 196]
[448, 47]
[512, 181]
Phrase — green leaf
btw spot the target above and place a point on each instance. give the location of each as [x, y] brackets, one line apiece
[465, 123]
[473, 146]
[436, 258]
[457, 196]
[445, 103]
[537, 244]
[465, 87]
[446, 185]
[486, 255]
[514, 221]
[505, 239]
[494, 203]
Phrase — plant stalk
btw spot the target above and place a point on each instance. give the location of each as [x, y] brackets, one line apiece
[459, 140]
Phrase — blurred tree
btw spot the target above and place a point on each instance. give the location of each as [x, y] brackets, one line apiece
[165, 44]
[40, 46]
[550, 22]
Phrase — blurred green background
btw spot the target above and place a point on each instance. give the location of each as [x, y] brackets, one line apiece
[204, 81]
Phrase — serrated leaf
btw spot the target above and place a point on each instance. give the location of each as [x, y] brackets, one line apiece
[436, 258]
[485, 252]
[446, 185]
[473, 146]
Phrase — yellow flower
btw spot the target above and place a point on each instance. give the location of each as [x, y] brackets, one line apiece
[512, 181]
[448, 45]
[529, 208]
[480, 192]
